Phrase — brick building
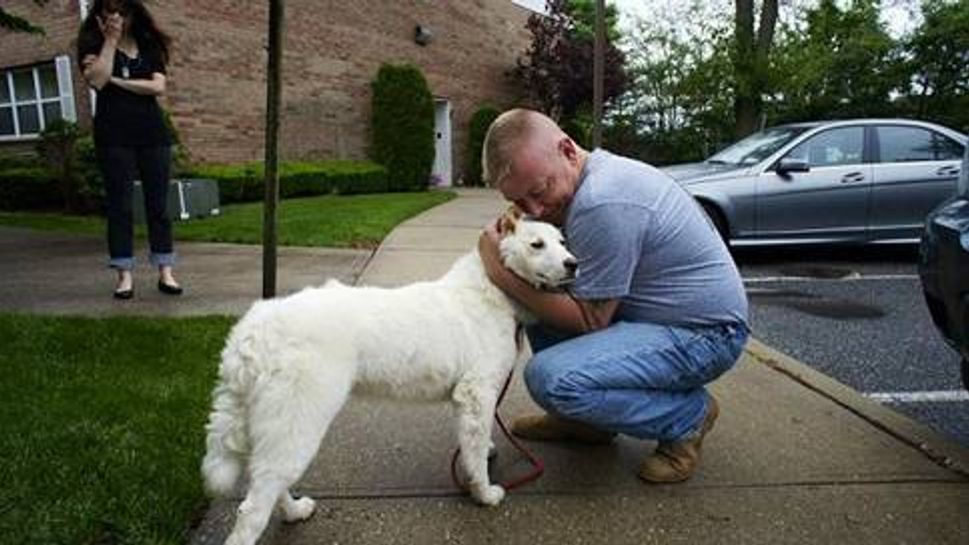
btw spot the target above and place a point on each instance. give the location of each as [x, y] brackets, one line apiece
[331, 53]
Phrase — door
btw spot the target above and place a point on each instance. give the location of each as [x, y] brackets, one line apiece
[830, 200]
[441, 173]
[916, 169]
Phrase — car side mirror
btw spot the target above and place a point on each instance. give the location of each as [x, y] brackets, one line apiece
[789, 164]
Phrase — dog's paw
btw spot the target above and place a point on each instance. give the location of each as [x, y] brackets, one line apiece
[490, 495]
[300, 509]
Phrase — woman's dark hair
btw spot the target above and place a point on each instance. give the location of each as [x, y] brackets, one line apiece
[141, 26]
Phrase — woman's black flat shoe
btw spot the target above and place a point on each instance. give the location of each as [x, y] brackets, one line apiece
[169, 289]
[124, 294]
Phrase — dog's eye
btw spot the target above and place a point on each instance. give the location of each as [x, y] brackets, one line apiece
[538, 244]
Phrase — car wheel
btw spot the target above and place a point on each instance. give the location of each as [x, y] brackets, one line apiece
[719, 223]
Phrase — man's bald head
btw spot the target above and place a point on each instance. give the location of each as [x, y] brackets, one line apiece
[507, 135]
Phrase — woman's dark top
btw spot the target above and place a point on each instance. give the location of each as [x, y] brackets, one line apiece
[127, 119]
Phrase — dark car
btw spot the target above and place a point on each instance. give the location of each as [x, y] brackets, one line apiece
[944, 268]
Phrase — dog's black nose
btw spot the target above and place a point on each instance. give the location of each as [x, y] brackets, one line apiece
[570, 264]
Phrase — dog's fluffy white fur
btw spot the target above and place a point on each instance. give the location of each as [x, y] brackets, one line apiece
[289, 365]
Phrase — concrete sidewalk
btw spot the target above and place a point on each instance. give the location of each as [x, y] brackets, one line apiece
[795, 456]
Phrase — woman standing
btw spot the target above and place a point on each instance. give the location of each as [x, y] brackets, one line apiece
[123, 55]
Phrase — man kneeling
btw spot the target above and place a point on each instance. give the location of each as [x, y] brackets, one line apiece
[659, 308]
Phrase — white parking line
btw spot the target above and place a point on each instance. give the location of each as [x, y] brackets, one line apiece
[919, 397]
[853, 277]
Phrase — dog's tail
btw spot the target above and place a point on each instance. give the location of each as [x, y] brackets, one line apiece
[227, 442]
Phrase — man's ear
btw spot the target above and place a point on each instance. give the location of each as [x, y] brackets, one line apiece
[567, 148]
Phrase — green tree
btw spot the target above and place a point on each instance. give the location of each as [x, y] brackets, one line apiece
[750, 62]
[556, 70]
[679, 102]
[14, 23]
[843, 64]
[938, 64]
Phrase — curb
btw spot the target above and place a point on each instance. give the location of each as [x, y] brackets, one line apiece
[939, 449]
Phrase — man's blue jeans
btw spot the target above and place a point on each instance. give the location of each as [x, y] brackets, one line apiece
[639, 379]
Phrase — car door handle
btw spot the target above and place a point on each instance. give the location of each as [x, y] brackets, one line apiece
[947, 171]
[852, 177]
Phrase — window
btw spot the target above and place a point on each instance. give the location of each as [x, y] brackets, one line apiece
[897, 144]
[537, 6]
[833, 147]
[758, 146]
[33, 96]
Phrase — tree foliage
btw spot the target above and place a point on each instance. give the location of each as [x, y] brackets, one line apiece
[829, 59]
[556, 70]
[938, 64]
[751, 49]
[844, 64]
[15, 23]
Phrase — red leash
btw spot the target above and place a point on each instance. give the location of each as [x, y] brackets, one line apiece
[538, 467]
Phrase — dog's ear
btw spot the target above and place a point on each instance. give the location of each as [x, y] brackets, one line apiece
[510, 219]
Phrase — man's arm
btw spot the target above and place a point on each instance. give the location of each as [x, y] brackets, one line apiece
[559, 310]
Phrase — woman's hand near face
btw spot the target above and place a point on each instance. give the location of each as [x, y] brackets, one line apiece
[97, 69]
[111, 27]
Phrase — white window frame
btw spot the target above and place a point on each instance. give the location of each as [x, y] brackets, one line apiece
[65, 96]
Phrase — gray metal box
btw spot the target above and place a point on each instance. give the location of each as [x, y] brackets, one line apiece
[187, 199]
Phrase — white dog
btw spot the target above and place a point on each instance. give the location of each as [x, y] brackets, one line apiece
[289, 365]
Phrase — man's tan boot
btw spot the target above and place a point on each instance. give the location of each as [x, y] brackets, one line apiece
[545, 427]
[674, 462]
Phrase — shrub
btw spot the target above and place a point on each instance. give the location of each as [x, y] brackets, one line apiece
[91, 186]
[57, 146]
[26, 187]
[62, 174]
[403, 126]
[477, 129]
[245, 182]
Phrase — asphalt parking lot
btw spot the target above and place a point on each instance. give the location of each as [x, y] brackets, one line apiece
[858, 315]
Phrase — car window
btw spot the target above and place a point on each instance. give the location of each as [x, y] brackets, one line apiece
[898, 144]
[842, 146]
[758, 146]
[946, 148]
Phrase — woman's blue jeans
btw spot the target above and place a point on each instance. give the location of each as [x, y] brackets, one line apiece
[120, 167]
[640, 379]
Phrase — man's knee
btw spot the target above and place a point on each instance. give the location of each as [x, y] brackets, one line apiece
[538, 374]
[565, 392]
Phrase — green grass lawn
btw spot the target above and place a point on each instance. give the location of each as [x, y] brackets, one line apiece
[102, 427]
[353, 221]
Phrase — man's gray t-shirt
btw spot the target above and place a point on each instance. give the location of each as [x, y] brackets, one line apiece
[641, 238]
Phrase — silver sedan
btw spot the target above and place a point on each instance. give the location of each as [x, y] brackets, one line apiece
[860, 180]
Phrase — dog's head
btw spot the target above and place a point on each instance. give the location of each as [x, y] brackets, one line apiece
[535, 251]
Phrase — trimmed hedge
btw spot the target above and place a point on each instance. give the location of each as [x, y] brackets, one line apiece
[26, 187]
[477, 129]
[245, 182]
[403, 126]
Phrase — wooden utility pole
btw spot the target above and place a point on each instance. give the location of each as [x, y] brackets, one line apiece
[273, 78]
[598, 73]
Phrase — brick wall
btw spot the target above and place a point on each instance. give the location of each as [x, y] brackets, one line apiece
[60, 20]
[332, 51]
